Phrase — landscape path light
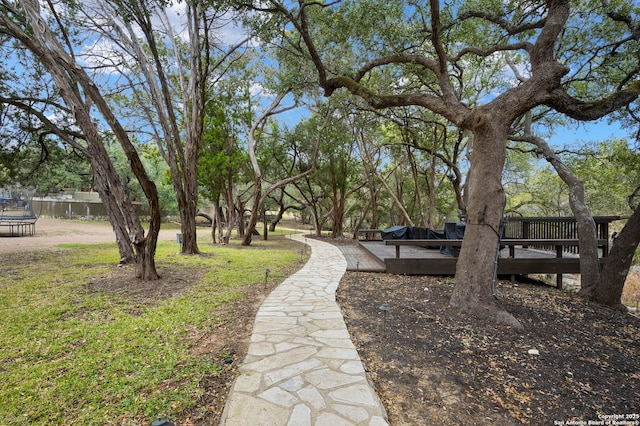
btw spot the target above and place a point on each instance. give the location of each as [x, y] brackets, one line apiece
[384, 308]
[162, 422]
[266, 277]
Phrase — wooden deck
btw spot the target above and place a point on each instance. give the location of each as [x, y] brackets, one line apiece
[539, 245]
[416, 260]
[376, 256]
[359, 259]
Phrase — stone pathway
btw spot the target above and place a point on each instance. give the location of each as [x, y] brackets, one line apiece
[301, 367]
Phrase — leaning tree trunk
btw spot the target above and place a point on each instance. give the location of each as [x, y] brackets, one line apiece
[144, 246]
[587, 237]
[64, 70]
[608, 290]
[255, 211]
[127, 255]
[361, 217]
[472, 292]
[587, 233]
[276, 220]
[231, 219]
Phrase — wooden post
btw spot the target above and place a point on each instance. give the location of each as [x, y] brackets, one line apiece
[559, 276]
[604, 234]
[525, 231]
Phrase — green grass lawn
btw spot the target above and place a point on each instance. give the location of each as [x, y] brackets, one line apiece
[71, 354]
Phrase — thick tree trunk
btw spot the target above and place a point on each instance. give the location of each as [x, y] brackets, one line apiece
[337, 229]
[147, 265]
[255, 211]
[124, 210]
[127, 255]
[277, 219]
[608, 290]
[475, 269]
[587, 236]
[188, 229]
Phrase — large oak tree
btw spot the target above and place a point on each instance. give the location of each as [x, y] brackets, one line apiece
[581, 60]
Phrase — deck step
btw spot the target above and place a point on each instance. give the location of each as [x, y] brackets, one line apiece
[360, 259]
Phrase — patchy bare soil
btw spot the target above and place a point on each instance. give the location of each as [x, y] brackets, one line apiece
[227, 342]
[433, 365]
[53, 232]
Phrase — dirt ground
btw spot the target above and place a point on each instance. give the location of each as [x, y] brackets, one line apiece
[53, 232]
[433, 365]
[429, 363]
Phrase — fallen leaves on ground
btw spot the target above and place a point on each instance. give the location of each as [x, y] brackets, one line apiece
[432, 364]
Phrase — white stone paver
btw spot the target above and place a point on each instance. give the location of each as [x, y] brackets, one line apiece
[301, 367]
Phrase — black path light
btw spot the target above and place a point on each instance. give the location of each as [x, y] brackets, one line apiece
[357, 268]
[384, 308]
[162, 422]
[266, 277]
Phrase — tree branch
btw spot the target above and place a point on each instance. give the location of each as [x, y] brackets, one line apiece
[592, 110]
[502, 23]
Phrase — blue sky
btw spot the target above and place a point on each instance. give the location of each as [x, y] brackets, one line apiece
[587, 132]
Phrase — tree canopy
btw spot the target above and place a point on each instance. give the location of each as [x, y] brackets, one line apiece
[416, 112]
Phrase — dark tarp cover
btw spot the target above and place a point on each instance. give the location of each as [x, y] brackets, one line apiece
[452, 231]
[397, 233]
[412, 233]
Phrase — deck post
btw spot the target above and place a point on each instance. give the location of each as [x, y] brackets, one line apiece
[559, 276]
[525, 231]
[604, 234]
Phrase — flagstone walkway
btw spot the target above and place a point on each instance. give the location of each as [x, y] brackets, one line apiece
[301, 367]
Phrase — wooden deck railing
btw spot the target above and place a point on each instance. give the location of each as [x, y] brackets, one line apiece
[556, 228]
[559, 245]
[538, 228]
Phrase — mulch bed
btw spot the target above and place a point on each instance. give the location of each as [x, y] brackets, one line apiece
[432, 364]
